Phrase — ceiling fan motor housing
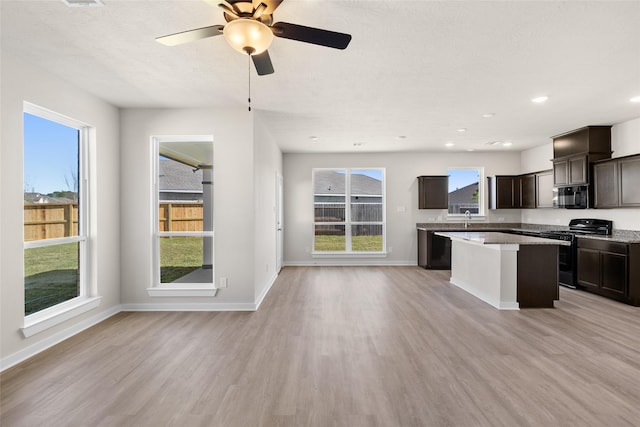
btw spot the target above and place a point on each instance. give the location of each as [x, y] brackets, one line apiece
[245, 9]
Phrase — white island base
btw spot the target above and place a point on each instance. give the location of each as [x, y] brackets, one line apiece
[488, 272]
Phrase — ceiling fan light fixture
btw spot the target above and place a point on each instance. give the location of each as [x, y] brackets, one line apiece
[248, 36]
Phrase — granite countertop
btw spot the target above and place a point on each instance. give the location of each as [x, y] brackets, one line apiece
[437, 226]
[622, 236]
[498, 238]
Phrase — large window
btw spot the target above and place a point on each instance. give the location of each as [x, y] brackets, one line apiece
[465, 191]
[55, 209]
[349, 213]
[183, 238]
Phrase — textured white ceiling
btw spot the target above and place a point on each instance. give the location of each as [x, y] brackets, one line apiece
[420, 69]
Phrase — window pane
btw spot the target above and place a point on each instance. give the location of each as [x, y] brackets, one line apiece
[180, 197]
[181, 260]
[329, 195]
[366, 195]
[50, 276]
[366, 237]
[51, 179]
[464, 191]
[329, 238]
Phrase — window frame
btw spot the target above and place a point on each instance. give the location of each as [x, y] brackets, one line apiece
[158, 289]
[481, 192]
[87, 298]
[348, 222]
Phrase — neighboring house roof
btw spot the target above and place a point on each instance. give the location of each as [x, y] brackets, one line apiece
[177, 177]
[331, 182]
[464, 195]
[43, 198]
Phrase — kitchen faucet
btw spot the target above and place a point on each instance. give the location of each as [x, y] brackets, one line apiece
[467, 217]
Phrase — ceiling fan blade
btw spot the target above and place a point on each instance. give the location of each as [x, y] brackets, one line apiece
[191, 35]
[311, 35]
[271, 5]
[262, 63]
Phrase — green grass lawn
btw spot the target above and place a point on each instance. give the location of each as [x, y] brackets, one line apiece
[358, 243]
[51, 276]
[179, 256]
[51, 272]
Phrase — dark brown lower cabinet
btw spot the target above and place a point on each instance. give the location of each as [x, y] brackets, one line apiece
[434, 252]
[537, 276]
[607, 268]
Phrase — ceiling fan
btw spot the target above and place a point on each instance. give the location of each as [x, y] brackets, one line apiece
[250, 29]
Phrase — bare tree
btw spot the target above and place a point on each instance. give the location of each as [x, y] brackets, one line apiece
[72, 182]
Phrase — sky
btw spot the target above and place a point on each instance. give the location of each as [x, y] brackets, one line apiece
[459, 178]
[50, 155]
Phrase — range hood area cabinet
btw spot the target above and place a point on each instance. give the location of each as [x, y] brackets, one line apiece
[616, 182]
[433, 192]
[573, 153]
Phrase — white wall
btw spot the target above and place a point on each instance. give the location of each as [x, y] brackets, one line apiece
[625, 140]
[22, 82]
[402, 169]
[236, 203]
[268, 163]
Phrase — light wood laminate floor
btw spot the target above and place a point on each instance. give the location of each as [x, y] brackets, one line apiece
[343, 346]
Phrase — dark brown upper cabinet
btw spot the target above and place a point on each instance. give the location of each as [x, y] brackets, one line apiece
[433, 192]
[605, 185]
[574, 151]
[544, 189]
[629, 181]
[527, 188]
[512, 191]
[616, 182]
[502, 192]
[590, 139]
[571, 171]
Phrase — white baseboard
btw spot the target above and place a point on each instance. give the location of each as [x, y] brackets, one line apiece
[265, 291]
[349, 263]
[181, 306]
[56, 338]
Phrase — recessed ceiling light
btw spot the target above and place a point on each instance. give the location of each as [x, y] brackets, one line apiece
[488, 115]
[540, 99]
[635, 99]
[449, 144]
[313, 139]
[358, 144]
[471, 149]
[83, 3]
[461, 130]
[507, 144]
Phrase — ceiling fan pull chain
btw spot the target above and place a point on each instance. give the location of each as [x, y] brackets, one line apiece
[249, 74]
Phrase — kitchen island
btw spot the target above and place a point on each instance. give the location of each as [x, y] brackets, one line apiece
[508, 271]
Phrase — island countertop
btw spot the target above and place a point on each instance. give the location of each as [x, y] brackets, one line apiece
[497, 238]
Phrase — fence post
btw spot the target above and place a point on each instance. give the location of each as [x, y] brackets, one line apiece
[68, 219]
[169, 217]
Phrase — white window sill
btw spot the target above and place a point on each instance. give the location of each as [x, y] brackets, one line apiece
[183, 290]
[50, 317]
[348, 254]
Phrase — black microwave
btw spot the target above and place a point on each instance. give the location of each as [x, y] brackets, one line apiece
[575, 197]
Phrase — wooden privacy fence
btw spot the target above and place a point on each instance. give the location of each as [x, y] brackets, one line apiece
[180, 216]
[50, 220]
[54, 220]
